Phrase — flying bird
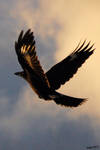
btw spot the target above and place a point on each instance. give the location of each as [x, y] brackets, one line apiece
[46, 84]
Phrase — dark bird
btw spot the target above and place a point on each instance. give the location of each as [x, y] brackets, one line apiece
[46, 84]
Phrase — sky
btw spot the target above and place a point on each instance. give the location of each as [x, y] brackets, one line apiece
[27, 122]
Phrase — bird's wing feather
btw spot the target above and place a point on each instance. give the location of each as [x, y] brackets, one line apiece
[25, 50]
[64, 70]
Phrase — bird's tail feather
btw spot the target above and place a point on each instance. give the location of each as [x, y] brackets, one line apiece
[67, 101]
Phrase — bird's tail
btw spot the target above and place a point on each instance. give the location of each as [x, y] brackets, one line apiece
[67, 101]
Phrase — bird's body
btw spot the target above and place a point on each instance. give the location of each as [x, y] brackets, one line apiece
[46, 84]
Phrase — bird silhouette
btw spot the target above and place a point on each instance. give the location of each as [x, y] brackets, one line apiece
[46, 84]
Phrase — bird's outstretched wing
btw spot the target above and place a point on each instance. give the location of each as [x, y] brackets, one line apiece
[64, 70]
[25, 50]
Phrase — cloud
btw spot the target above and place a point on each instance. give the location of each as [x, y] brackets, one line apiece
[69, 25]
[32, 123]
[37, 123]
[74, 24]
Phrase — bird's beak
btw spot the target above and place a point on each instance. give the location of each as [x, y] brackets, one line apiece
[20, 74]
[17, 73]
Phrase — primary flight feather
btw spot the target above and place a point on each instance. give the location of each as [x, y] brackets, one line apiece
[45, 84]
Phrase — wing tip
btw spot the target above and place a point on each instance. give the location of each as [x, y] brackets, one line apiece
[20, 36]
[84, 47]
[25, 38]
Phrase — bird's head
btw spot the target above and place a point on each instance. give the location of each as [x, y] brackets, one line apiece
[20, 74]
